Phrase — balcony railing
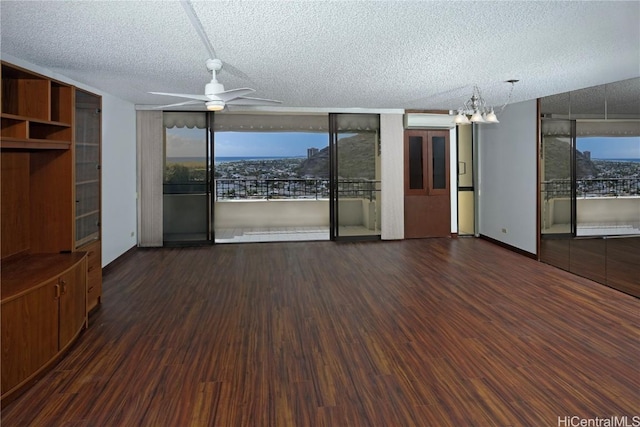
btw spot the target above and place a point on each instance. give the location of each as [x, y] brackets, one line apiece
[295, 188]
[596, 187]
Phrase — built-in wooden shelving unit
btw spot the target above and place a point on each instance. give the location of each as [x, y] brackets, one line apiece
[50, 266]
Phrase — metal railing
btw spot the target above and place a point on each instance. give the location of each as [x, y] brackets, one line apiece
[294, 188]
[593, 187]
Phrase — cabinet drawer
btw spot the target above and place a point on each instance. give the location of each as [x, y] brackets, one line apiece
[94, 274]
[93, 265]
[94, 285]
[93, 254]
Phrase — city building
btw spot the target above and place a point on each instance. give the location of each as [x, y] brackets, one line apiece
[311, 152]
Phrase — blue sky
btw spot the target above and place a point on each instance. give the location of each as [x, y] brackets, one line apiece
[611, 147]
[185, 142]
[235, 144]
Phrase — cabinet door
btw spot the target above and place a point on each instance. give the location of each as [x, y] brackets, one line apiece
[87, 167]
[73, 297]
[29, 334]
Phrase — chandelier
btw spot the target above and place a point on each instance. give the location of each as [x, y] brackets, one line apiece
[478, 109]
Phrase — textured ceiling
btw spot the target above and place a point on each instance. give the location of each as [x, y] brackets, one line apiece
[332, 54]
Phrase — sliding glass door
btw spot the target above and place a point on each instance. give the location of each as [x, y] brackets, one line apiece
[354, 147]
[187, 178]
[271, 177]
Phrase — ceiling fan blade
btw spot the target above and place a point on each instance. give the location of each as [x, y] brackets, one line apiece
[178, 104]
[230, 94]
[246, 100]
[184, 95]
[197, 26]
[234, 71]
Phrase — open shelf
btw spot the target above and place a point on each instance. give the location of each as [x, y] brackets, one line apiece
[17, 117]
[14, 128]
[25, 93]
[37, 112]
[34, 144]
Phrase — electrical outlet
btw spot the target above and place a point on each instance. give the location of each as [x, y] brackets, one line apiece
[504, 230]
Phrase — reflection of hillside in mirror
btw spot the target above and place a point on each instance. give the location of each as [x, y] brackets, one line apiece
[557, 160]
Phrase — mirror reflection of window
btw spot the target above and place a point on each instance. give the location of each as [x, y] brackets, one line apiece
[607, 178]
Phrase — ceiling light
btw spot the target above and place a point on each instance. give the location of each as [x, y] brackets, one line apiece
[461, 119]
[477, 108]
[490, 117]
[215, 105]
[476, 117]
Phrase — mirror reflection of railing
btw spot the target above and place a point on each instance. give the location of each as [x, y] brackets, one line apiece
[596, 187]
[295, 188]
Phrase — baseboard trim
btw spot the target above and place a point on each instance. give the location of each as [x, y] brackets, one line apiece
[510, 247]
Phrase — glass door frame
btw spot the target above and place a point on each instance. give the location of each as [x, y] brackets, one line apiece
[333, 177]
[467, 188]
[208, 184]
[334, 192]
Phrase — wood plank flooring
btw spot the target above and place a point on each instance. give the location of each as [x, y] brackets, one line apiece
[434, 332]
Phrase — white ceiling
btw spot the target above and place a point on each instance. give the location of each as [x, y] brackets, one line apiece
[331, 54]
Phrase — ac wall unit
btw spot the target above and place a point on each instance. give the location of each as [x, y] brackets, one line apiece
[426, 120]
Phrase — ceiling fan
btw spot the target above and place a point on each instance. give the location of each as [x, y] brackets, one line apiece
[215, 98]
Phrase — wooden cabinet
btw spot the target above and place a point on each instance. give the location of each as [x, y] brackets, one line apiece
[29, 335]
[73, 310]
[42, 313]
[49, 209]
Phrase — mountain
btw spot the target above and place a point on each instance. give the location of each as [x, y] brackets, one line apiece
[316, 166]
[356, 159]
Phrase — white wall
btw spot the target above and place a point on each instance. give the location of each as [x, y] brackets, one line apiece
[118, 166]
[272, 213]
[119, 210]
[507, 177]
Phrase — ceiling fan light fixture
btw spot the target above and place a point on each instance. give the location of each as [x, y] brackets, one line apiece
[215, 105]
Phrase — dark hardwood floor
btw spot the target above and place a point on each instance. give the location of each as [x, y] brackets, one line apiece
[434, 332]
